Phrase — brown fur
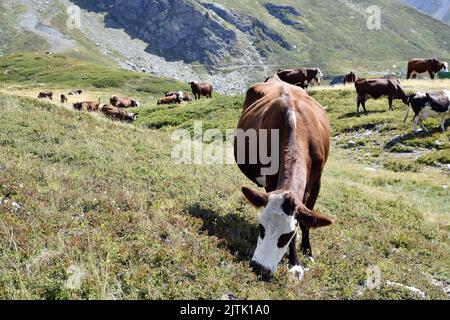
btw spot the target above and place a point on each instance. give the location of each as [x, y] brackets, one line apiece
[418, 66]
[90, 106]
[350, 78]
[117, 113]
[303, 150]
[379, 87]
[123, 102]
[201, 89]
[43, 95]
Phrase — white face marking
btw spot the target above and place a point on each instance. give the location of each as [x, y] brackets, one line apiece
[446, 66]
[276, 223]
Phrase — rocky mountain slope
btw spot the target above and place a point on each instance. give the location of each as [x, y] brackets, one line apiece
[227, 42]
[440, 9]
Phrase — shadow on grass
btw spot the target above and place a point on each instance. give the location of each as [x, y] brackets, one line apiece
[414, 135]
[355, 114]
[238, 235]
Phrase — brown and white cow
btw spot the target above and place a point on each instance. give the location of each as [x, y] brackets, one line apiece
[379, 87]
[90, 106]
[201, 89]
[183, 95]
[76, 92]
[44, 95]
[123, 102]
[350, 78]
[424, 105]
[432, 66]
[283, 121]
[301, 77]
[117, 113]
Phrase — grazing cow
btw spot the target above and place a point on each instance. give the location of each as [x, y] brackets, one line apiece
[424, 105]
[90, 106]
[117, 113]
[64, 99]
[292, 179]
[123, 102]
[76, 92]
[201, 89]
[350, 78]
[379, 87]
[432, 66]
[173, 99]
[301, 77]
[297, 77]
[43, 95]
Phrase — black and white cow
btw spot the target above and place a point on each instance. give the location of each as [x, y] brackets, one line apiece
[424, 105]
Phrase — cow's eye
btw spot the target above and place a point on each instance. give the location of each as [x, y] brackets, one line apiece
[262, 231]
[285, 239]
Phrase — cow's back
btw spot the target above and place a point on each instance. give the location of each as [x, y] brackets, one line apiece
[272, 105]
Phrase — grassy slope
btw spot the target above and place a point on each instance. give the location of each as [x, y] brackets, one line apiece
[12, 38]
[106, 199]
[35, 71]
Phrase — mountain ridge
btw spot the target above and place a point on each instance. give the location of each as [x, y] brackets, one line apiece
[231, 44]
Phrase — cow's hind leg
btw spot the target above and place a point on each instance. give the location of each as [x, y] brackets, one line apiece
[391, 101]
[360, 102]
[442, 127]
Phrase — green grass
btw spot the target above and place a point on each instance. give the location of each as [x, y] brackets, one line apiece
[105, 199]
[30, 69]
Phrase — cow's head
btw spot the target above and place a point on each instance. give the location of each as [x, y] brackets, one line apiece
[114, 100]
[278, 223]
[445, 68]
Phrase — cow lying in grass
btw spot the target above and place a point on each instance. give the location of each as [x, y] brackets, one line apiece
[90, 106]
[117, 113]
[175, 98]
[123, 102]
[424, 105]
[43, 95]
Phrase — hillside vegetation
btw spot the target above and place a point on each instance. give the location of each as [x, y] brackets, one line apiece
[91, 208]
[230, 43]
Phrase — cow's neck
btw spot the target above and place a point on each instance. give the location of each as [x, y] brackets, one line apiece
[293, 169]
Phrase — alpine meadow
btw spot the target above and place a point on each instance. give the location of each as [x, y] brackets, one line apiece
[98, 98]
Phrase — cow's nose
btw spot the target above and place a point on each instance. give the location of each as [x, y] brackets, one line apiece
[262, 271]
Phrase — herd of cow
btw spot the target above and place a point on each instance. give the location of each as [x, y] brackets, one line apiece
[116, 109]
[281, 104]
[424, 104]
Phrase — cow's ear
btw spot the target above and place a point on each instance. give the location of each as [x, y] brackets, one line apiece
[312, 219]
[256, 198]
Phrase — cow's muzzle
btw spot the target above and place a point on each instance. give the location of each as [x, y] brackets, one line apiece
[264, 273]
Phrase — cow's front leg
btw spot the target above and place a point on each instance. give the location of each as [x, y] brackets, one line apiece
[431, 74]
[391, 101]
[423, 126]
[296, 269]
[306, 245]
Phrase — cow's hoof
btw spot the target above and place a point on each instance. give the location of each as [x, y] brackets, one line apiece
[297, 272]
